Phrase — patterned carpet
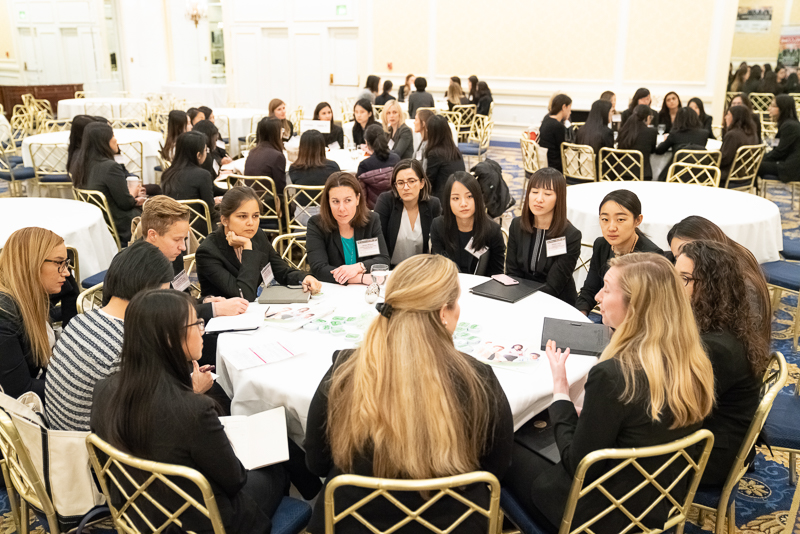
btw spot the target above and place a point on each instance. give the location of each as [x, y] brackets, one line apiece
[765, 495]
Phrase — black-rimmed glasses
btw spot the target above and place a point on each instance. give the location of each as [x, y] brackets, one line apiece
[200, 324]
[62, 264]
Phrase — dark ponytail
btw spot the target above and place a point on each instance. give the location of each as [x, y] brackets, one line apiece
[376, 139]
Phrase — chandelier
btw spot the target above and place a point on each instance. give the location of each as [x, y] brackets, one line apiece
[196, 11]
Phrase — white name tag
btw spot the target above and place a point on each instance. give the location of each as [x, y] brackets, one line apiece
[368, 247]
[220, 144]
[556, 247]
[181, 281]
[476, 253]
[391, 144]
[334, 146]
[119, 158]
[320, 126]
[266, 275]
[216, 166]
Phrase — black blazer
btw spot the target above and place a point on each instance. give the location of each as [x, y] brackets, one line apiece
[606, 422]
[189, 433]
[335, 136]
[738, 393]
[787, 153]
[383, 99]
[208, 163]
[18, 371]
[264, 160]
[495, 459]
[325, 251]
[192, 183]
[731, 142]
[483, 105]
[419, 99]
[109, 177]
[390, 210]
[598, 267]
[438, 170]
[403, 142]
[555, 272]
[628, 112]
[551, 134]
[707, 123]
[489, 264]
[646, 144]
[221, 274]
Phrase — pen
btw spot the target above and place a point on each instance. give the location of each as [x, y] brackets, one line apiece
[241, 294]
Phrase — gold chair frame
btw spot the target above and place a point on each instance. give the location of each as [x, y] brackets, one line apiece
[685, 173]
[96, 198]
[467, 114]
[347, 111]
[481, 133]
[50, 159]
[21, 124]
[438, 488]
[72, 255]
[698, 157]
[611, 159]
[268, 197]
[135, 110]
[14, 185]
[224, 126]
[190, 266]
[745, 167]
[250, 142]
[130, 124]
[288, 244]
[90, 299]
[133, 152]
[99, 109]
[311, 193]
[530, 154]
[254, 120]
[159, 122]
[112, 472]
[776, 293]
[295, 117]
[761, 101]
[795, 507]
[377, 110]
[198, 211]
[55, 125]
[578, 162]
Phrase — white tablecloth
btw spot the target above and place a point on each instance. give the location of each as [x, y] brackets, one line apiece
[659, 161]
[80, 224]
[292, 383]
[151, 144]
[342, 157]
[213, 95]
[348, 132]
[128, 108]
[239, 123]
[750, 220]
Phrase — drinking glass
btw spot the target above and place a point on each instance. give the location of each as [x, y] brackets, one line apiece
[379, 273]
[661, 129]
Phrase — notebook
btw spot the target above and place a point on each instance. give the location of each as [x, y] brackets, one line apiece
[495, 290]
[581, 338]
[283, 295]
[259, 439]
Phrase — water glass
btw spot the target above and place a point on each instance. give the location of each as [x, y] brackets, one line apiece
[379, 273]
[661, 129]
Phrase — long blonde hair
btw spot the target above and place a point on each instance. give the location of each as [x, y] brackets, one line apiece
[21, 263]
[659, 337]
[407, 395]
[389, 105]
[454, 93]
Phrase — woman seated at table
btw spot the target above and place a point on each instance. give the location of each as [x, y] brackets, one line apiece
[742, 100]
[79, 123]
[484, 99]
[195, 115]
[640, 98]
[407, 211]
[651, 386]
[217, 157]
[552, 132]
[421, 127]
[455, 95]
[208, 113]
[384, 98]
[610, 96]
[718, 290]
[33, 267]
[769, 84]
[406, 89]
[636, 134]
[420, 98]
[783, 161]
[277, 110]
[542, 244]
[620, 217]
[669, 110]
[363, 119]
[345, 239]
[163, 341]
[739, 79]
[687, 132]
[375, 172]
[334, 139]
[186, 179]
[464, 233]
[442, 157]
[753, 80]
[94, 168]
[740, 131]
[360, 421]
[706, 120]
[370, 89]
[596, 132]
[266, 158]
[89, 348]
[231, 261]
[472, 89]
[401, 139]
[311, 166]
[177, 123]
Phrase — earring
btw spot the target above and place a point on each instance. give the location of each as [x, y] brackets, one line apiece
[445, 323]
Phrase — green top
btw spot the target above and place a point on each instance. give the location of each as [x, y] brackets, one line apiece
[349, 247]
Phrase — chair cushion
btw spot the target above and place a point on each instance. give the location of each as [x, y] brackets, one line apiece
[15, 160]
[783, 423]
[269, 224]
[516, 513]
[469, 149]
[55, 179]
[225, 140]
[782, 274]
[791, 248]
[158, 168]
[20, 173]
[93, 280]
[291, 517]
[243, 139]
[709, 496]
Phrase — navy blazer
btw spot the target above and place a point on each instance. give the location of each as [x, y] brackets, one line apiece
[390, 210]
[325, 251]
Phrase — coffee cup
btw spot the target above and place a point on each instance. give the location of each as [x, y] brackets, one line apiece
[133, 185]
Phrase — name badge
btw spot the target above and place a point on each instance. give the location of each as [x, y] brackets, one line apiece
[221, 144]
[368, 247]
[556, 247]
[266, 275]
[476, 253]
[216, 166]
[334, 146]
[181, 281]
[119, 158]
[391, 144]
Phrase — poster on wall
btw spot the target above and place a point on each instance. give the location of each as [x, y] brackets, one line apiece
[789, 48]
[754, 19]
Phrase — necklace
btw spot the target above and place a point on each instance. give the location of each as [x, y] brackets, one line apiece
[618, 253]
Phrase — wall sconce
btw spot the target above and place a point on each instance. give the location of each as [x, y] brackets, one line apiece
[196, 11]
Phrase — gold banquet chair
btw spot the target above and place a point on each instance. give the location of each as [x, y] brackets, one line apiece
[96, 198]
[99, 109]
[688, 457]
[135, 123]
[292, 248]
[744, 169]
[133, 153]
[190, 266]
[199, 218]
[698, 157]
[90, 299]
[437, 488]
[50, 164]
[159, 121]
[761, 101]
[295, 117]
[618, 165]
[297, 215]
[467, 114]
[480, 135]
[578, 162]
[56, 125]
[264, 187]
[684, 173]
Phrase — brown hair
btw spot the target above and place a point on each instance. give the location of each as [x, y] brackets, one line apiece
[312, 151]
[547, 178]
[274, 104]
[416, 166]
[424, 115]
[161, 212]
[343, 179]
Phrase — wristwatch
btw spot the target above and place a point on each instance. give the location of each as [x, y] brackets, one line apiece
[363, 268]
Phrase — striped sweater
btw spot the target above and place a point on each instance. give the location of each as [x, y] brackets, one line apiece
[87, 351]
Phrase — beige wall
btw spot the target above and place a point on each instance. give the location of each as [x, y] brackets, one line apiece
[6, 29]
[759, 47]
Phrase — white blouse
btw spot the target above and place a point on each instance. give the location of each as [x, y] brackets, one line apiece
[409, 242]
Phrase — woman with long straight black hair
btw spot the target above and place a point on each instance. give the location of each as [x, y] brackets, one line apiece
[595, 132]
[783, 161]
[177, 123]
[335, 138]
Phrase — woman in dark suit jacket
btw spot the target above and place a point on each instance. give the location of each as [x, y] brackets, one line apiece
[267, 158]
[542, 244]
[667, 404]
[231, 261]
[687, 132]
[323, 112]
[740, 131]
[706, 120]
[783, 161]
[640, 98]
[483, 99]
[409, 203]
[464, 233]
[552, 132]
[94, 168]
[161, 346]
[636, 134]
[596, 132]
[401, 138]
[345, 239]
[441, 157]
[217, 156]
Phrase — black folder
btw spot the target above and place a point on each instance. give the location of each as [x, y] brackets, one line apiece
[581, 338]
[495, 290]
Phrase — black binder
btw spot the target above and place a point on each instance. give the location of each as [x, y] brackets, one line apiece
[495, 290]
[581, 338]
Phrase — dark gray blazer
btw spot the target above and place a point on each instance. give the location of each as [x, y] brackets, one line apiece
[325, 251]
[109, 177]
[390, 210]
[403, 142]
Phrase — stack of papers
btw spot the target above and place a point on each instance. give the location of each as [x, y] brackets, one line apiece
[260, 354]
[258, 440]
[235, 323]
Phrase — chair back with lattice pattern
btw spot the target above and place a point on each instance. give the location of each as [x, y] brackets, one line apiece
[698, 157]
[292, 248]
[618, 165]
[158, 102]
[481, 133]
[444, 489]
[190, 266]
[140, 483]
[99, 109]
[130, 124]
[578, 162]
[48, 126]
[761, 101]
[769, 129]
[199, 218]
[96, 198]
[133, 156]
[74, 259]
[301, 202]
[530, 156]
[159, 122]
[744, 168]
[796, 97]
[684, 173]
[254, 120]
[730, 95]
[347, 111]
[133, 110]
[267, 193]
[249, 142]
[21, 122]
[467, 114]
[90, 299]
[49, 159]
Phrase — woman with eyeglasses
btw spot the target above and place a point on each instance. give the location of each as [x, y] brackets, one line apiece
[407, 211]
[149, 409]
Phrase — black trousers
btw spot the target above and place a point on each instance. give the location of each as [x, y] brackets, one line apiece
[526, 466]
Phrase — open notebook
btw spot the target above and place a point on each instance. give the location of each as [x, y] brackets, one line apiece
[260, 439]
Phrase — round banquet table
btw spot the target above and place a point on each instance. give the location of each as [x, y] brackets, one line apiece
[213, 95]
[238, 124]
[151, 144]
[126, 108]
[342, 157]
[80, 224]
[750, 220]
[292, 382]
[348, 132]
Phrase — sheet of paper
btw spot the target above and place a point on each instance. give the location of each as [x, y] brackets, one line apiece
[245, 321]
[263, 353]
[259, 439]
